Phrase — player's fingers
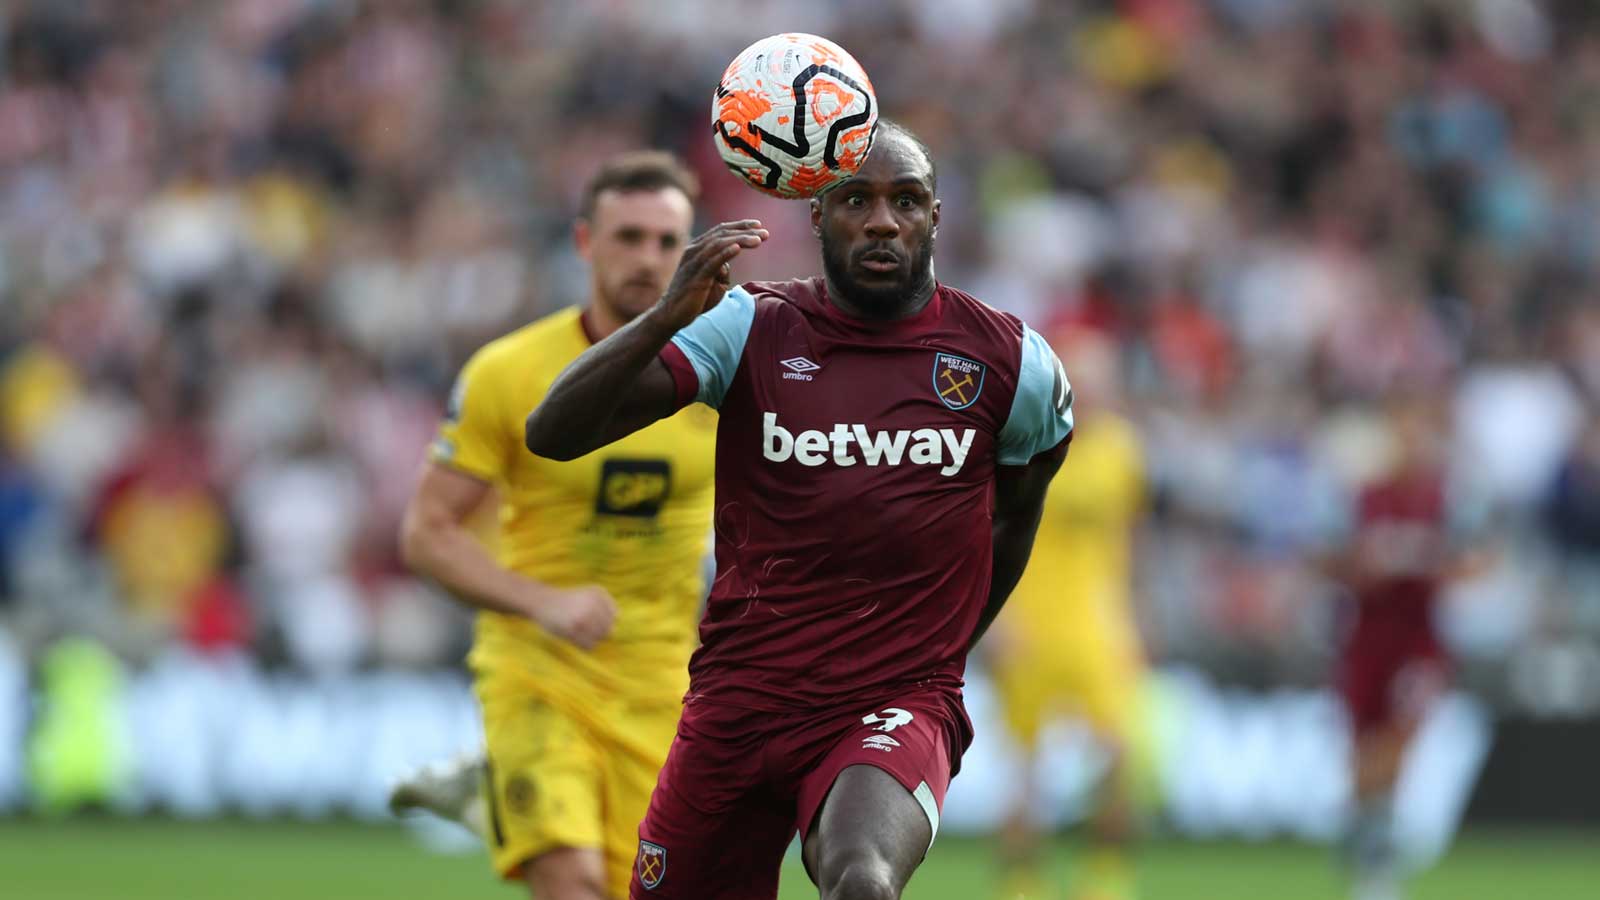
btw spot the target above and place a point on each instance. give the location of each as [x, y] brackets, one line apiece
[708, 264]
[718, 233]
[727, 252]
[706, 260]
[740, 238]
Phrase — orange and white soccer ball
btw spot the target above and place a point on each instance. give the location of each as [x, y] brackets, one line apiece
[793, 115]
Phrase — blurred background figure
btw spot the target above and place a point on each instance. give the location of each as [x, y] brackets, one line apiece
[245, 246]
[1067, 643]
[588, 587]
[1408, 539]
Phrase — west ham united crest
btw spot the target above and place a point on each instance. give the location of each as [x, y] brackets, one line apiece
[652, 864]
[957, 380]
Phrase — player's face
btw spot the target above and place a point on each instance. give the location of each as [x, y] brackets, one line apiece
[877, 229]
[1416, 427]
[632, 242]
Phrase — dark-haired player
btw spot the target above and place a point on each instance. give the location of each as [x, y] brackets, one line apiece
[883, 450]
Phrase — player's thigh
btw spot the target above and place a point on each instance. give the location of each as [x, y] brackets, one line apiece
[870, 834]
[712, 830]
[870, 807]
[545, 780]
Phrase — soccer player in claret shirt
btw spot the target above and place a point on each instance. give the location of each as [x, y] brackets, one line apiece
[1410, 536]
[883, 451]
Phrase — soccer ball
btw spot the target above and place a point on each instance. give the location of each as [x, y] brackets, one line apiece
[793, 115]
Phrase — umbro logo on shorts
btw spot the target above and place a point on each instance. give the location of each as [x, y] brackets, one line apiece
[879, 742]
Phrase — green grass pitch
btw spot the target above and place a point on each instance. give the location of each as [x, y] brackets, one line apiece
[153, 859]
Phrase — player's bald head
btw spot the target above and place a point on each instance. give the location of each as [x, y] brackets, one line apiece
[904, 140]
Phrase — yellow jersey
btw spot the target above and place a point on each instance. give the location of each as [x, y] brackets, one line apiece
[633, 517]
[1077, 586]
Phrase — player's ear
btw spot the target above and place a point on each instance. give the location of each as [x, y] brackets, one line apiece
[582, 236]
[816, 216]
[933, 218]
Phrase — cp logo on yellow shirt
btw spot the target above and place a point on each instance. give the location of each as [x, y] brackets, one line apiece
[633, 487]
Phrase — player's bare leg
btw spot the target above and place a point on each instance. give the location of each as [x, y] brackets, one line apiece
[1108, 874]
[1378, 756]
[1021, 843]
[1370, 842]
[451, 790]
[870, 835]
[568, 873]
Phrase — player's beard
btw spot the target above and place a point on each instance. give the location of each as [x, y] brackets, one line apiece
[629, 299]
[886, 300]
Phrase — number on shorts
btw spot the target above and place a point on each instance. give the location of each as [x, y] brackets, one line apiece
[888, 720]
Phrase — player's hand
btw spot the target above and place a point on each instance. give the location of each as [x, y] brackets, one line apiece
[705, 271]
[581, 615]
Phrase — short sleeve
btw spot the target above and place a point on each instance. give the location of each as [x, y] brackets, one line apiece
[710, 347]
[474, 437]
[1041, 412]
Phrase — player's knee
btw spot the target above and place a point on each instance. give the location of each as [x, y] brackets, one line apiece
[860, 878]
[567, 874]
[570, 889]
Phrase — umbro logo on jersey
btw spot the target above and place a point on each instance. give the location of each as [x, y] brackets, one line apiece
[799, 367]
[879, 742]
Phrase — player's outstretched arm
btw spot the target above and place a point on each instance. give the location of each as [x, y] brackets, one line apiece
[620, 385]
[436, 542]
[1018, 504]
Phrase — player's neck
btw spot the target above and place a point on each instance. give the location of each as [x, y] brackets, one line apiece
[908, 305]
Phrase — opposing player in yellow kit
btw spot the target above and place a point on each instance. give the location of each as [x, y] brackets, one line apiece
[589, 602]
[1066, 644]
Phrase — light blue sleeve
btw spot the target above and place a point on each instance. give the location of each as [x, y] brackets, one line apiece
[1041, 412]
[714, 344]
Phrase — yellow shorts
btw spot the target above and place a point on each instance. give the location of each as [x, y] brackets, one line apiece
[557, 781]
[1036, 687]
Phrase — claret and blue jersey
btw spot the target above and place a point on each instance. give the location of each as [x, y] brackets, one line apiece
[855, 485]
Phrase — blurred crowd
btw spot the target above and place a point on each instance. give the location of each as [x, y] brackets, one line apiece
[244, 246]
